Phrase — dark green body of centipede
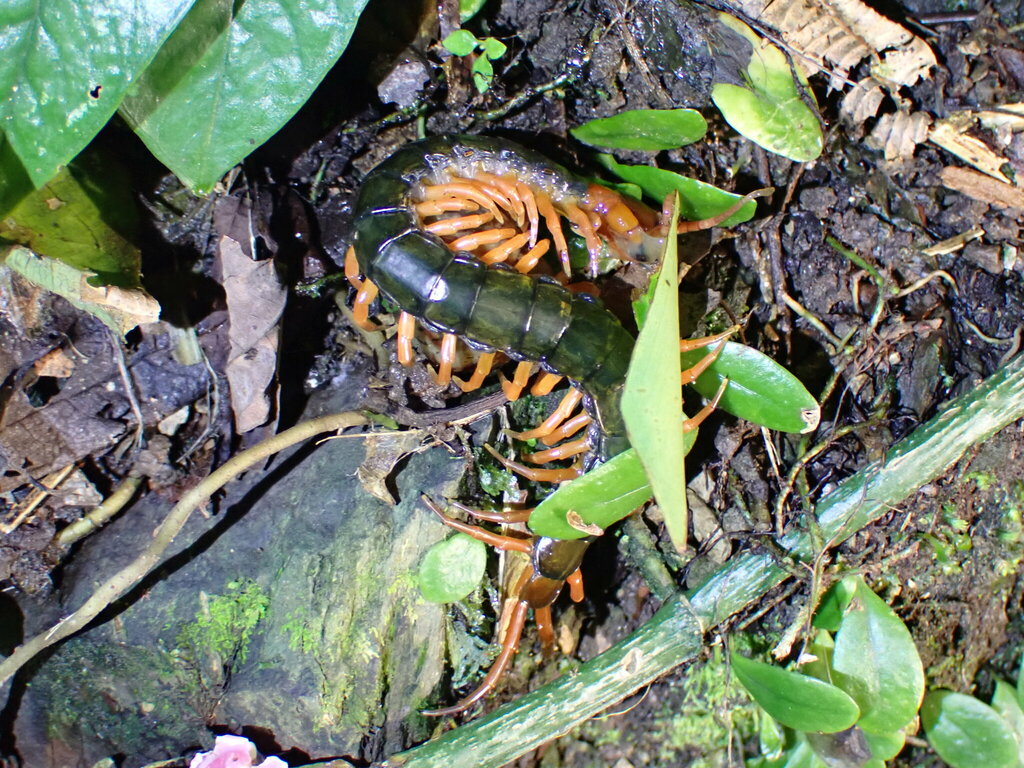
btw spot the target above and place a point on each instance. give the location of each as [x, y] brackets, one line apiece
[527, 318]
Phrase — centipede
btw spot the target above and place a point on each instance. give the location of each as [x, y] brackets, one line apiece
[454, 232]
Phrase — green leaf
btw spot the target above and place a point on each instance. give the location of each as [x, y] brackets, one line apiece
[802, 756]
[483, 74]
[966, 732]
[85, 217]
[461, 42]
[225, 82]
[452, 568]
[885, 746]
[469, 8]
[697, 200]
[760, 390]
[601, 497]
[795, 700]
[15, 183]
[652, 401]
[763, 104]
[649, 130]
[876, 662]
[1004, 701]
[65, 67]
[833, 605]
[493, 49]
[121, 309]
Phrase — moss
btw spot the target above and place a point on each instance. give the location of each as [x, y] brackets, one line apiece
[225, 624]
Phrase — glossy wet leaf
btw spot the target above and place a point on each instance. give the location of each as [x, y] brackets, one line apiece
[469, 8]
[231, 75]
[15, 183]
[86, 218]
[1004, 701]
[66, 66]
[832, 607]
[493, 48]
[757, 95]
[760, 390]
[461, 42]
[649, 130]
[885, 746]
[876, 662]
[601, 497]
[967, 733]
[798, 701]
[652, 401]
[452, 568]
[697, 200]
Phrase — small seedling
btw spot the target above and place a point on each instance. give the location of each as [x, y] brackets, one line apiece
[462, 42]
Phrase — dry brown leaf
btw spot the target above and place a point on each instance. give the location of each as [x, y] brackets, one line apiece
[950, 135]
[837, 35]
[383, 452]
[255, 299]
[899, 133]
[982, 187]
[54, 363]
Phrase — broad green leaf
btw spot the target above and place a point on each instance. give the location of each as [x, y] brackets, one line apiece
[1004, 701]
[802, 756]
[796, 700]
[469, 8]
[15, 183]
[966, 732]
[876, 662]
[85, 217]
[493, 49]
[461, 42]
[601, 497]
[771, 738]
[649, 130]
[231, 75]
[652, 401]
[452, 568]
[761, 101]
[760, 390]
[65, 67]
[833, 605]
[885, 746]
[697, 200]
[483, 74]
[821, 649]
[121, 309]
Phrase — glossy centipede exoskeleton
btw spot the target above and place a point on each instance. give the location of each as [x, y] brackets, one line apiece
[451, 230]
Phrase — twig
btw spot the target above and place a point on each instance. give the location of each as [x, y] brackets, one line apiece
[49, 484]
[122, 581]
[129, 389]
[92, 521]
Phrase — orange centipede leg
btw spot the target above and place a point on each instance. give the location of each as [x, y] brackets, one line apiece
[562, 412]
[575, 582]
[503, 251]
[483, 367]
[476, 239]
[514, 617]
[691, 374]
[361, 306]
[352, 269]
[504, 516]
[496, 540]
[526, 195]
[544, 384]
[714, 221]
[446, 227]
[514, 389]
[507, 188]
[446, 205]
[570, 428]
[447, 357]
[406, 329]
[535, 473]
[563, 451]
[529, 260]
[545, 629]
[462, 190]
[554, 224]
[697, 419]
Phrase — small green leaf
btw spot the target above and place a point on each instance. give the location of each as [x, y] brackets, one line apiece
[230, 76]
[803, 756]
[876, 662]
[601, 497]
[966, 732]
[452, 568]
[652, 402]
[833, 605]
[649, 130]
[795, 700]
[1004, 701]
[493, 49]
[461, 42]
[469, 8]
[760, 390]
[697, 200]
[764, 105]
[885, 746]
